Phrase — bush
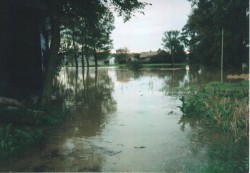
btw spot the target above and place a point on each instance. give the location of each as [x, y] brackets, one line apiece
[135, 65]
[13, 139]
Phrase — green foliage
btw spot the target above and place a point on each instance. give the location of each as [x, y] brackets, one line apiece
[88, 24]
[5, 137]
[122, 55]
[24, 127]
[221, 105]
[223, 110]
[136, 56]
[135, 65]
[161, 57]
[172, 42]
[13, 139]
[203, 32]
[127, 8]
[87, 30]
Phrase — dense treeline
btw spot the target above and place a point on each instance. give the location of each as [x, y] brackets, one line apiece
[203, 32]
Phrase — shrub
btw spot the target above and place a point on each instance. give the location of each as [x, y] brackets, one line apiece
[12, 139]
[135, 65]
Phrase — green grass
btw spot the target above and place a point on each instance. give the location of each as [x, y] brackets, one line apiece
[165, 64]
[221, 105]
[221, 109]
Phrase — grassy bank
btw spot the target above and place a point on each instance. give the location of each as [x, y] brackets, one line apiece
[221, 105]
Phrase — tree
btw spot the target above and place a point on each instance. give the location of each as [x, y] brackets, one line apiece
[89, 31]
[122, 55]
[62, 8]
[100, 33]
[171, 43]
[86, 10]
[204, 31]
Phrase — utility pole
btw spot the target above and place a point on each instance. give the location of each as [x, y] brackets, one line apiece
[222, 42]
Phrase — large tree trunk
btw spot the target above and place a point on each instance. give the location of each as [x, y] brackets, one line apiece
[172, 58]
[76, 86]
[86, 45]
[86, 49]
[75, 51]
[95, 56]
[86, 56]
[52, 61]
[82, 53]
[96, 72]
[82, 49]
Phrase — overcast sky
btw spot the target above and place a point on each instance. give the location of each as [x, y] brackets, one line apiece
[144, 32]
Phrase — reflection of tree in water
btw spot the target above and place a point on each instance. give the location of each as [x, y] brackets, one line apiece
[95, 96]
[203, 76]
[174, 79]
[90, 98]
[88, 93]
[125, 75]
[89, 90]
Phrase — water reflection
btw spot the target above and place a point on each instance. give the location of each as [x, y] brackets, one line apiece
[122, 120]
[72, 147]
[87, 91]
[88, 94]
[125, 75]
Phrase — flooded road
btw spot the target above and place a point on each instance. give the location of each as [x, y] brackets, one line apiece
[124, 121]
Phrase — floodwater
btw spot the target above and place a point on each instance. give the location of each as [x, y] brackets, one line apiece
[128, 121]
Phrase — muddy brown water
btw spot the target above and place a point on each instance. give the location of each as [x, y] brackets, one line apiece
[125, 121]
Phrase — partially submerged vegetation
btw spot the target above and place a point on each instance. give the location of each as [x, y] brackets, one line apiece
[220, 105]
[22, 127]
[223, 110]
[16, 138]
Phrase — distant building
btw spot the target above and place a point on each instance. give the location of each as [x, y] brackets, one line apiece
[146, 56]
[112, 61]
